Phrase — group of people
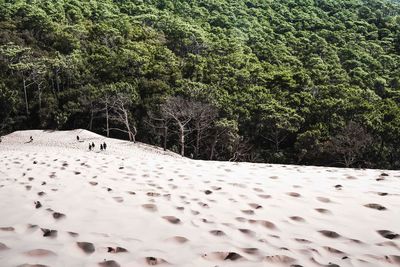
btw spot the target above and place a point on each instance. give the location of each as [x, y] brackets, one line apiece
[102, 146]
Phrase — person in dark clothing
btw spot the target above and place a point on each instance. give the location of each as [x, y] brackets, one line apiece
[90, 147]
[31, 139]
[92, 144]
[104, 145]
[101, 147]
[77, 138]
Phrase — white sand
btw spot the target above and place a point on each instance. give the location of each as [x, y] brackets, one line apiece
[156, 206]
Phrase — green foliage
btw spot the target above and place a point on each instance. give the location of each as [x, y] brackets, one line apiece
[286, 76]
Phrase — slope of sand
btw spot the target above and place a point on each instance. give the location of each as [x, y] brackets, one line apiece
[134, 205]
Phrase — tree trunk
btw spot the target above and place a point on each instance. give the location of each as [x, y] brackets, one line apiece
[91, 117]
[134, 134]
[165, 137]
[213, 145]
[196, 149]
[52, 87]
[276, 141]
[26, 98]
[107, 124]
[182, 139]
[128, 128]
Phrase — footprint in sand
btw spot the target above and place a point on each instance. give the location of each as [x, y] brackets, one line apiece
[73, 234]
[118, 199]
[265, 223]
[323, 211]
[248, 232]
[206, 221]
[323, 199]
[330, 234]
[382, 194]
[58, 215]
[255, 206]
[241, 219]
[49, 233]
[302, 240]
[172, 219]
[251, 251]
[203, 205]
[109, 263]
[86, 247]
[32, 265]
[153, 194]
[116, 250]
[150, 207]
[248, 212]
[297, 219]
[388, 234]
[222, 256]
[280, 259]
[3, 247]
[339, 187]
[154, 261]
[177, 239]
[217, 233]
[7, 229]
[208, 192]
[333, 250]
[375, 206]
[38, 204]
[40, 253]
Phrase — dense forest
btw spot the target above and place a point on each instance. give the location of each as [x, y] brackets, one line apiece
[302, 82]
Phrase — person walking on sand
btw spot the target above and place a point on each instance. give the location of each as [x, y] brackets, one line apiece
[101, 147]
[93, 145]
[77, 138]
[104, 146]
[90, 147]
[31, 139]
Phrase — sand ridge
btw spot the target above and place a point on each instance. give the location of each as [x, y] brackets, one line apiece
[135, 205]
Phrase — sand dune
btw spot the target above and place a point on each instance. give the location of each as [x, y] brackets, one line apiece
[135, 205]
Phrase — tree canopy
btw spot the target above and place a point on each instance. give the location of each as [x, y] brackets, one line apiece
[283, 79]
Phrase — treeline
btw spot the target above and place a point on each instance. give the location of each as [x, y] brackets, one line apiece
[304, 82]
